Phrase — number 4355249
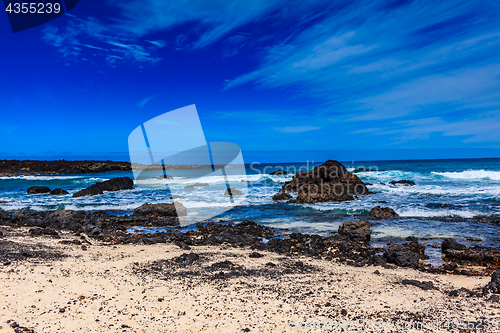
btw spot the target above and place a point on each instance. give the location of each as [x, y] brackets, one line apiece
[33, 7]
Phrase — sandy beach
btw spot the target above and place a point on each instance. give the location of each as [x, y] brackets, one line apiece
[162, 288]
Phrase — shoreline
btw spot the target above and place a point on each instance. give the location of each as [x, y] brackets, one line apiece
[352, 244]
[213, 288]
[13, 168]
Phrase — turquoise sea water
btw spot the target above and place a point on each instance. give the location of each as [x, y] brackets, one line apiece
[447, 194]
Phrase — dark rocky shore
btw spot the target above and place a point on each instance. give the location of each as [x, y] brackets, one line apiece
[350, 245]
[28, 167]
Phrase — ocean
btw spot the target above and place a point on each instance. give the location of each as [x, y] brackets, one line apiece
[446, 201]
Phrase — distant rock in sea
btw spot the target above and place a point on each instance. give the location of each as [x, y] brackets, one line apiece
[404, 182]
[38, 190]
[328, 182]
[163, 177]
[115, 184]
[232, 191]
[59, 191]
[382, 213]
[190, 187]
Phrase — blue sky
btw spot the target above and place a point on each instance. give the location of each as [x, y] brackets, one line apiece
[267, 75]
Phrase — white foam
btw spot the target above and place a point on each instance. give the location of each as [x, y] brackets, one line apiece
[415, 212]
[471, 174]
[438, 190]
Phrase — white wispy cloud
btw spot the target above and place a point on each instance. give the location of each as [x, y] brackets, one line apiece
[8, 128]
[85, 33]
[297, 129]
[144, 101]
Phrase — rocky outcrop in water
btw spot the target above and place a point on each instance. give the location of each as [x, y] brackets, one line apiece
[403, 182]
[58, 191]
[328, 182]
[115, 184]
[38, 190]
[193, 186]
[161, 210]
[382, 213]
[451, 244]
[232, 191]
[281, 196]
[163, 177]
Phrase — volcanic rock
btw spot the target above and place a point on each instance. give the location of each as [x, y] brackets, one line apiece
[281, 196]
[477, 255]
[115, 184]
[232, 191]
[400, 256]
[328, 182]
[38, 190]
[404, 182]
[452, 244]
[59, 191]
[357, 230]
[196, 185]
[425, 285]
[163, 177]
[161, 210]
[382, 213]
[494, 285]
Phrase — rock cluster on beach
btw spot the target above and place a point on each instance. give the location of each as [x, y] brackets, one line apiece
[350, 245]
[328, 182]
[115, 184]
[455, 252]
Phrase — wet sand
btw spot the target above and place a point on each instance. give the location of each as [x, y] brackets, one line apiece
[162, 288]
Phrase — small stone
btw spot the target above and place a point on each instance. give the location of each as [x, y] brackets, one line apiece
[62, 310]
[376, 272]
[84, 247]
[183, 246]
[160, 299]
[255, 255]
[495, 298]
[343, 312]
